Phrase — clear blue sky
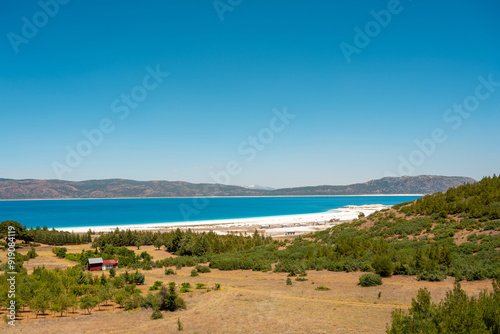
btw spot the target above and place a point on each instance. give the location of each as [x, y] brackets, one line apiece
[353, 122]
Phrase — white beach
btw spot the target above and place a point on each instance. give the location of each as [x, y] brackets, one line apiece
[274, 225]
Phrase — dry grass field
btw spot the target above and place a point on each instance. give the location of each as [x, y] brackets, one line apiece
[249, 302]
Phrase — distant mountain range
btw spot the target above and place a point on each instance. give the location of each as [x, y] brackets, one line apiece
[256, 187]
[117, 188]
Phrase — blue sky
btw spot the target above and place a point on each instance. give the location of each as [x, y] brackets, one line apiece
[353, 120]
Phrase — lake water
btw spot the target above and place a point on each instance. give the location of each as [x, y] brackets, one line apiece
[110, 212]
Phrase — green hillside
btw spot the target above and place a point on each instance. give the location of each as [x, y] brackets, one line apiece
[478, 200]
[455, 233]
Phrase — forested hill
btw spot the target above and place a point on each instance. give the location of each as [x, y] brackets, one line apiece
[423, 184]
[456, 233]
[116, 188]
[478, 200]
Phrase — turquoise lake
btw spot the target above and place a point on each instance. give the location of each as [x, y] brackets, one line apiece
[110, 212]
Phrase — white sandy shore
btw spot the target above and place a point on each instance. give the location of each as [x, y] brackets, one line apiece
[274, 225]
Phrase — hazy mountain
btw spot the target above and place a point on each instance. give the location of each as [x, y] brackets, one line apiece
[114, 188]
[256, 187]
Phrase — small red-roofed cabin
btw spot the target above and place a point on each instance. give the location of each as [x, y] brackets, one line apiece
[108, 264]
[94, 264]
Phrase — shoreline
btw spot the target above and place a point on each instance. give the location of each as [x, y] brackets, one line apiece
[276, 226]
[190, 197]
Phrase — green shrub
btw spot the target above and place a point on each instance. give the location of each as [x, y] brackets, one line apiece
[402, 269]
[457, 273]
[185, 287]
[288, 281]
[156, 286]
[200, 286]
[366, 267]
[33, 254]
[492, 225]
[140, 278]
[301, 279]
[194, 273]
[476, 274]
[367, 280]
[169, 271]
[203, 269]
[383, 265]
[431, 276]
[322, 288]
[133, 302]
[73, 257]
[60, 251]
[156, 315]
[130, 288]
[169, 300]
[150, 302]
[350, 265]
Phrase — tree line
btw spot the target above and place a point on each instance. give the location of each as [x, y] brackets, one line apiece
[183, 243]
[44, 235]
